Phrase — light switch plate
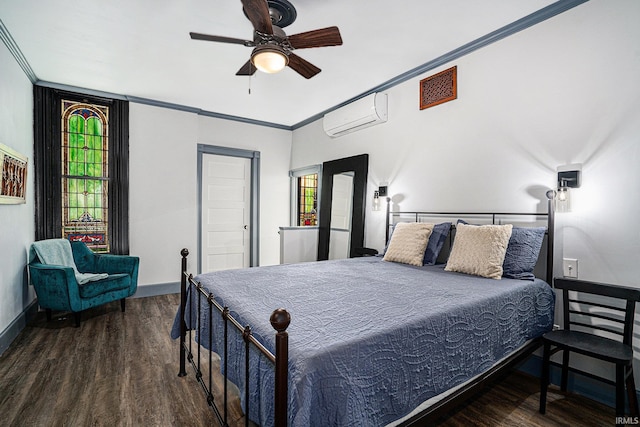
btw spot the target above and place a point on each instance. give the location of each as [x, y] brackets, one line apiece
[570, 267]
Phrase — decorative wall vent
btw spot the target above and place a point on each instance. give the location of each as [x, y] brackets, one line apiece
[439, 88]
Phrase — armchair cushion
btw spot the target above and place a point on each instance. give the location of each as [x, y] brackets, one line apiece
[113, 282]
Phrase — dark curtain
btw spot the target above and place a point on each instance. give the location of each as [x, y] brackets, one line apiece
[48, 165]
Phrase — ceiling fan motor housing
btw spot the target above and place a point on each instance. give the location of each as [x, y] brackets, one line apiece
[281, 12]
[277, 37]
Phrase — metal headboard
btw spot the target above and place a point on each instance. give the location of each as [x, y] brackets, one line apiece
[490, 218]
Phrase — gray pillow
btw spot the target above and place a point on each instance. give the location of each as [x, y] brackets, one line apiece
[436, 242]
[522, 252]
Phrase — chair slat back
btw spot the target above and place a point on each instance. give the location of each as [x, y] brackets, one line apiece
[579, 312]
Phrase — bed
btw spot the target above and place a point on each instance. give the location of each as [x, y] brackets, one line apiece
[364, 341]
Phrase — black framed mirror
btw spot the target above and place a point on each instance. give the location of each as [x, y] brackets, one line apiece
[356, 167]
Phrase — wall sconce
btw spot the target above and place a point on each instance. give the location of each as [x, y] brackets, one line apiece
[569, 176]
[381, 192]
[376, 200]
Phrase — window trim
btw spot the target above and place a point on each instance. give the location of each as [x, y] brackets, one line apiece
[67, 177]
[294, 174]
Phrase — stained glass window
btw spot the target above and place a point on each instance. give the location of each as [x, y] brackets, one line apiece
[308, 199]
[85, 174]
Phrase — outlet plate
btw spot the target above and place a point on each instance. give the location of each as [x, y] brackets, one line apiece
[570, 267]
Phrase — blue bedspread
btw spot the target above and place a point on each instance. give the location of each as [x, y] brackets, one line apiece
[370, 340]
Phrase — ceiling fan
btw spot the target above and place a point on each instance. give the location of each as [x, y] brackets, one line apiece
[272, 48]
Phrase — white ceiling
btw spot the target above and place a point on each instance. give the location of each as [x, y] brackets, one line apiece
[142, 49]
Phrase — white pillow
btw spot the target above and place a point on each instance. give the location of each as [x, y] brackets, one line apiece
[479, 249]
[408, 243]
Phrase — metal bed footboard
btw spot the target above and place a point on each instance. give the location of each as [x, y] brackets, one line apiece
[280, 320]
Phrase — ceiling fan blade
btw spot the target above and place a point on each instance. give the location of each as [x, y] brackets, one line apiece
[221, 39]
[258, 13]
[302, 67]
[329, 36]
[248, 69]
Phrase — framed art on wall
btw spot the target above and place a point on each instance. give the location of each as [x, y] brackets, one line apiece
[13, 180]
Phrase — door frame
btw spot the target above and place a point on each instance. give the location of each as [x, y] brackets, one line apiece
[254, 209]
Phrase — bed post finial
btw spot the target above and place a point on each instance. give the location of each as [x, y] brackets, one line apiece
[280, 320]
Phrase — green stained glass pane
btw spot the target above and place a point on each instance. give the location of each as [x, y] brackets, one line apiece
[93, 142]
[72, 186]
[308, 196]
[73, 140]
[73, 130]
[94, 126]
[72, 124]
[76, 124]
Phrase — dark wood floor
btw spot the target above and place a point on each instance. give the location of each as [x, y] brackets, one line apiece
[120, 369]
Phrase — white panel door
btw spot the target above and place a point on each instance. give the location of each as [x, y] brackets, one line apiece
[226, 203]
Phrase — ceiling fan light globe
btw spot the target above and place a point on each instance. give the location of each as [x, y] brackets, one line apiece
[269, 61]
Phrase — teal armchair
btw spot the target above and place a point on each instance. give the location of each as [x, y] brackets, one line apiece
[95, 279]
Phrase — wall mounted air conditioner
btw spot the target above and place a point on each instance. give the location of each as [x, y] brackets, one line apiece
[364, 112]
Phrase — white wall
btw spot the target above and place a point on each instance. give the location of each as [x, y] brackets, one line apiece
[564, 91]
[163, 179]
[16, 221]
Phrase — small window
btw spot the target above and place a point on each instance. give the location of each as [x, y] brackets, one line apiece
[308, 200]
[304, 196]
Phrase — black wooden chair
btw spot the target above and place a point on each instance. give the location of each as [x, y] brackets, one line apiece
[582, 317]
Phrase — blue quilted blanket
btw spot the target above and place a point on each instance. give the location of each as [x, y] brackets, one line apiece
[370, 340]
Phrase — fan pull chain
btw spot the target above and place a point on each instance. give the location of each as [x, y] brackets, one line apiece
[250, 77]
